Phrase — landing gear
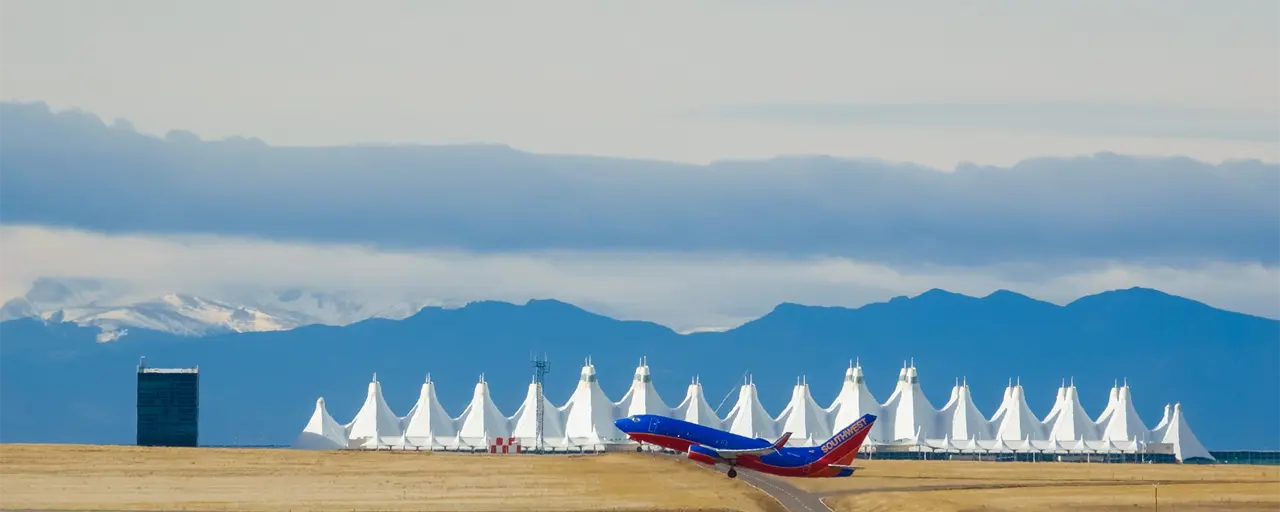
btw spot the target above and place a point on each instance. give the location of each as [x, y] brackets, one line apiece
[639, 449]
[733, 473]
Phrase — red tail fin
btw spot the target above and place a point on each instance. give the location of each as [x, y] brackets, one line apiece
[847, 441]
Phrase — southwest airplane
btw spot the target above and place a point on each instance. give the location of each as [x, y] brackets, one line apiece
[710, 446]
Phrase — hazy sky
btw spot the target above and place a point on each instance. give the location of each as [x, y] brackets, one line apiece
[679, 290]
[933, 82]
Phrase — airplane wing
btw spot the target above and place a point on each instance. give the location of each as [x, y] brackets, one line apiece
[725, 453]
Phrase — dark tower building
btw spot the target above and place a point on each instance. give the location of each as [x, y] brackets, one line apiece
[168, 406]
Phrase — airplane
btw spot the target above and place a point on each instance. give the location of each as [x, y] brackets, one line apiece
[711, 446]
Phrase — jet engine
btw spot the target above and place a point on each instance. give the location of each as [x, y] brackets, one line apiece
[703, 455]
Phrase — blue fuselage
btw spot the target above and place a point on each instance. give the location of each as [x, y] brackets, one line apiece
[691, 437]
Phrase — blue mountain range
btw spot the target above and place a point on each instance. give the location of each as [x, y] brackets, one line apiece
[57, 384]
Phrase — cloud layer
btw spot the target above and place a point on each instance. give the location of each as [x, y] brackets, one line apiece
[1076, 119]
[682, 291]
[72, 170]
[516, 75]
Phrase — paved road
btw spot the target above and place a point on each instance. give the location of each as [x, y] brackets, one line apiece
[792, 498]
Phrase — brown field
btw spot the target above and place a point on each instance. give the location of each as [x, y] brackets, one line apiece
[132, 478]
[1008, 486]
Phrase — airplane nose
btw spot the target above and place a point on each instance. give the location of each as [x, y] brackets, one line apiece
[623, 424]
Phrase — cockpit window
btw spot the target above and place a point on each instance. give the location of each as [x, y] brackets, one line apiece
[633, 418]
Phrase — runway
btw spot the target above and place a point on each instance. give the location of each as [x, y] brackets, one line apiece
[791, 497]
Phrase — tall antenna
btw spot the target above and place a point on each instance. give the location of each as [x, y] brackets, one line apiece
[541, 367]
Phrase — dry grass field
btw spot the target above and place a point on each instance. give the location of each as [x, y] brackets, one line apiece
[132, 478]
[956, 486]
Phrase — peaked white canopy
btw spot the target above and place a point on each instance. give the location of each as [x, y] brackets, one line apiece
[1113, 398]
[1016, 421]
[481, 420]
[695, 409]
[375, 425]
[961, 418]
[803, 418]
[1178, 433]
[1005, 400]
[1056, 410]
[748, 418]
[427, 423]
[1073, 424]
[1124, 423]
[321, 432]
[524, 424]
[589, 414]
[855, 400]
[909, 410]
[1158, 432]
[642, 398]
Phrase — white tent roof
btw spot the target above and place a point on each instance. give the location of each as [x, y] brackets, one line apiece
[375, 425]
[695, 409]
[1178, 433]
[1004, 405]
[1016, 421]
[1025, 445]
[1056, 410]
[998, 446]
[587, 419]
[854, 401]
[1113, 398]
[748, 418]
[642, 398]
[803, 418]
[908, 408]
[321, 432]
[481, 420]
[1124, 423]
[589, 413]
[1158, 432]
[945, 444]
[1052, 446]
[427, 423]
[1073, 423]
[961, 419]
[524, 424]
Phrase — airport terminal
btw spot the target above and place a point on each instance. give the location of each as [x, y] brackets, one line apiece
[908, 425]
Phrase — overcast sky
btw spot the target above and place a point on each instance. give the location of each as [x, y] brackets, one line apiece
[933, 82]
[930, 82]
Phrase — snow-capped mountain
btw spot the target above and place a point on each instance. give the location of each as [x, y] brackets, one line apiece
[175, 313]
[115, 307]
[334, 307]
[182, 314]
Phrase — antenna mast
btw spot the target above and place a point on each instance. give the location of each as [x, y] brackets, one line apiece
[541, 367]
